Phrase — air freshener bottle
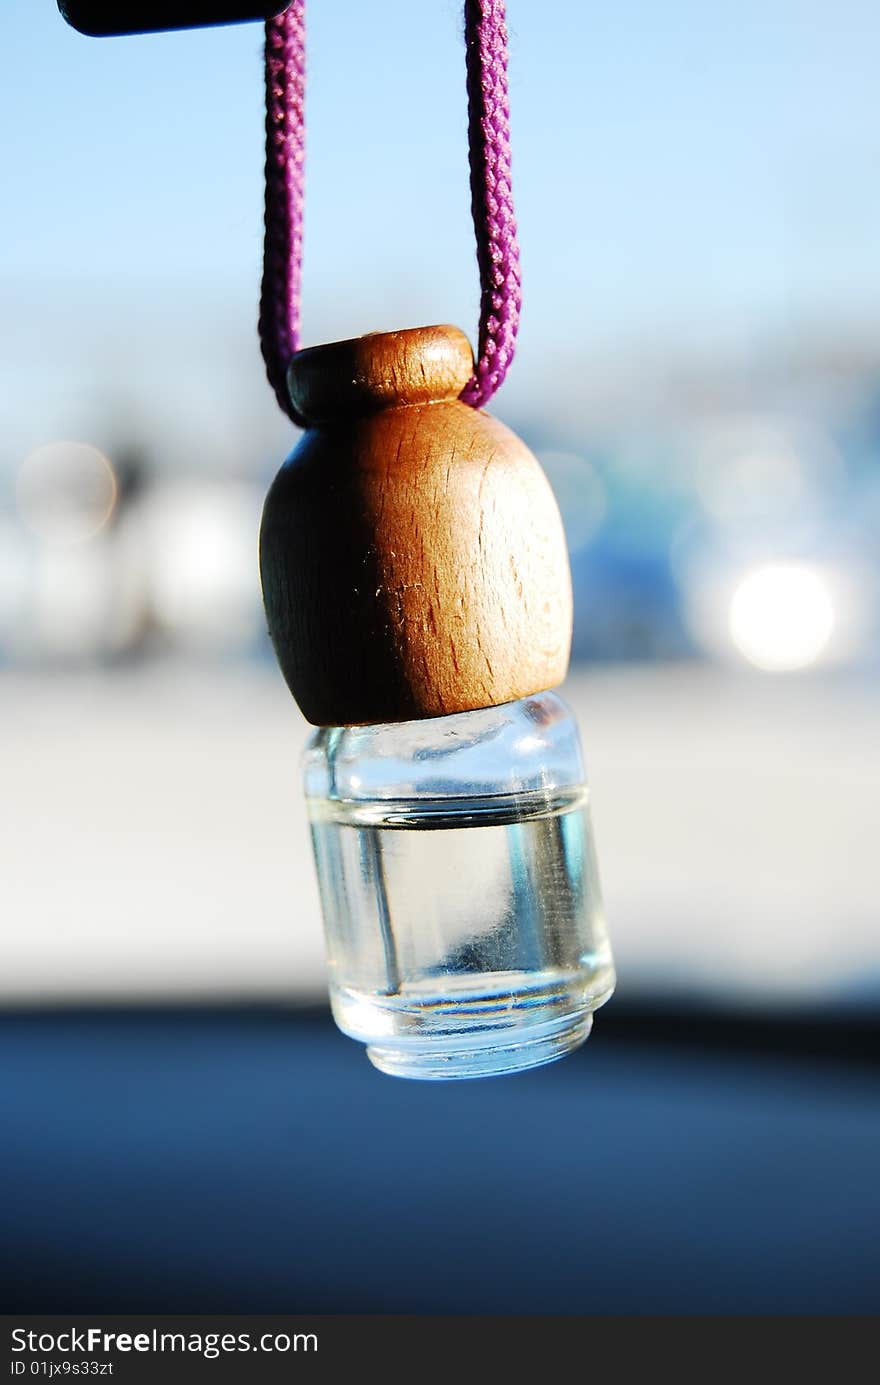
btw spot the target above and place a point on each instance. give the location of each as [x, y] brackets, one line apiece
[418, 595]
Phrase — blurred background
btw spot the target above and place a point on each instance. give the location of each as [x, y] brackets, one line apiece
[699, 370]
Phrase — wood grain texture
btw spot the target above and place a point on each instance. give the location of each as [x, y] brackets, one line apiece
[413, 558]
[382, 370]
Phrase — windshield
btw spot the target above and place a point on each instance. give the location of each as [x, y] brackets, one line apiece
[698, 371]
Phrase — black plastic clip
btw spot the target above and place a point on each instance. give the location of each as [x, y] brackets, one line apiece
[106, 17]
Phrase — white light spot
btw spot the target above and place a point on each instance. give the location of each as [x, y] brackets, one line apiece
[782, 616]
[204, 578]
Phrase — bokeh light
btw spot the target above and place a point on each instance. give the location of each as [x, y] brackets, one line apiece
[204, 582]
[580, 494]
[782, 616]
[66, 492]
[751, 468]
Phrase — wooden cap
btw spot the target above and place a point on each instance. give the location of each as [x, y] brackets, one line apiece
[412, 554]
[383, 370]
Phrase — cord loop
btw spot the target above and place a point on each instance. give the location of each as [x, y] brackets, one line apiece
[492, 208]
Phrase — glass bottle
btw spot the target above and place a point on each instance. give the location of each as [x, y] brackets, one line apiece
[458, 881]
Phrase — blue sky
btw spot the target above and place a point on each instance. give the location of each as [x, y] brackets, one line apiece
[692, 173]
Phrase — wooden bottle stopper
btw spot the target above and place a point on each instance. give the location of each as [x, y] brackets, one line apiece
[412, 555]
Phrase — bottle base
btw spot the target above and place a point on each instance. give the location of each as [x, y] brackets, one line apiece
[488, 1055]
[501, 1022]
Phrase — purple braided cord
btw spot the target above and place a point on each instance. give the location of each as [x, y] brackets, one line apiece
[285, 174]
[491, 197]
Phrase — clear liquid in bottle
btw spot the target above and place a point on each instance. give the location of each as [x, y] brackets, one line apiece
[458, 881]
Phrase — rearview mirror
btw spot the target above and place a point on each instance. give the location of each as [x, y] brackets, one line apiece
[106, 17]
